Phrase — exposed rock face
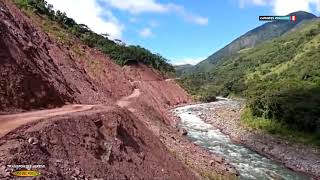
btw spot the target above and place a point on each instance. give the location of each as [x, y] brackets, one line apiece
[183, 132]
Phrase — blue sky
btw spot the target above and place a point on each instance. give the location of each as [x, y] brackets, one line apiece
[184, 31]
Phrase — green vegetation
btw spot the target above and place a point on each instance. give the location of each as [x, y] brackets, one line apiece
[182, 69]
[280, 80]
[208, 98]
[299, 108]
[279, 129]
[117, 50]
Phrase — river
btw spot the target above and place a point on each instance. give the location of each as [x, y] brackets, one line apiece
[249, 164]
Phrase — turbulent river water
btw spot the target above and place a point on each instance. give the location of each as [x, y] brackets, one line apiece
[249, 164]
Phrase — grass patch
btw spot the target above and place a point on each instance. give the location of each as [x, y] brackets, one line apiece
[78, 51]
[95, 67]
[278, 129]
[53, 28]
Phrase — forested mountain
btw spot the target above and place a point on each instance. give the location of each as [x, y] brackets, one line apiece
[279, 78]
[182, 69]
[249, 40]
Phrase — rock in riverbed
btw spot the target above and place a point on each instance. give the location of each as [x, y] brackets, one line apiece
[183, 132]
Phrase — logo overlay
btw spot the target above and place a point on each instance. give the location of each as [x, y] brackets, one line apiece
[25, 170]
[278, 18]
[26, 173]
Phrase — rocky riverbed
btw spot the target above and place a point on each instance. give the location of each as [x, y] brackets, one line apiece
[225, 115]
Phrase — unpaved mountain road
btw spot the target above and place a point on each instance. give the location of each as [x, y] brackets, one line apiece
[173, 79]
[125, 101]
[10, 122]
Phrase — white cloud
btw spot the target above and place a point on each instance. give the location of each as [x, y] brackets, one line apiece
[133, 19]
[152, 6]
[318, 5]
[146, 32]
[200, 20]
[153, 24]
[260, 2]
[180, 10]
[137, 6]
[192, 61]
[283, 7]
[243, 3]
[89, 13]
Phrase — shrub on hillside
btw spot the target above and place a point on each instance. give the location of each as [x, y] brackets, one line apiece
[298, 108]
[208, 98]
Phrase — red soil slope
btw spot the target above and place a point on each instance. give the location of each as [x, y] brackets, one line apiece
[38, 72]
[166, 92]
[105, 142]
[158, 93]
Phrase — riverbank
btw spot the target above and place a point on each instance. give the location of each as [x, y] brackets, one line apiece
[225, 116]
[202, 162]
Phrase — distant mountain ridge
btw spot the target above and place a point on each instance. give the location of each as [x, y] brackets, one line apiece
[265, 32]
[182, 69]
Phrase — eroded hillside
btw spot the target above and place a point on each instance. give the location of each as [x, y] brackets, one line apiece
[105, 142]
[120, 127]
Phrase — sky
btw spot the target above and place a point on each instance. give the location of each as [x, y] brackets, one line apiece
[183, 31]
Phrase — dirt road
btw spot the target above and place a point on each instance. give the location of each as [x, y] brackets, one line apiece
[125, 101]
[11, 122]
[173, 79]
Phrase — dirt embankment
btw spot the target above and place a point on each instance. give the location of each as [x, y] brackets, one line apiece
[105, 142]
[157, 92]
[156, 95]
[94, 141]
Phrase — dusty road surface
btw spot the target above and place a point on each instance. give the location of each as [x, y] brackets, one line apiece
[172, 79]
[11, 122]
[125, 101]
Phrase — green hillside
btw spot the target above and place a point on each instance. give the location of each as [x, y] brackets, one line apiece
[267, 31]
[182, 69]
[280, 78]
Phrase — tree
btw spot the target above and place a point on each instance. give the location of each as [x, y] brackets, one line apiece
[116, 49]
